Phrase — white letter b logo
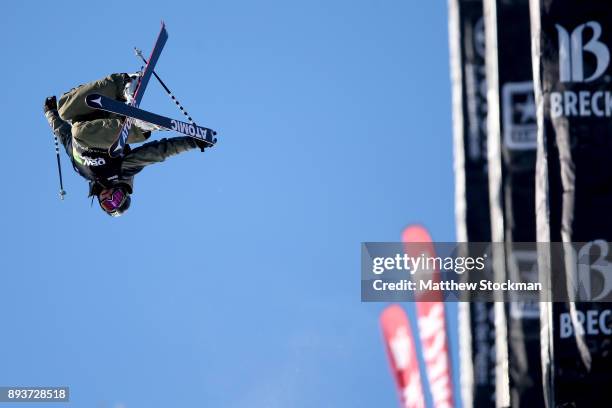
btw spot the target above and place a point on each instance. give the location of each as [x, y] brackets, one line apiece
[571, 63]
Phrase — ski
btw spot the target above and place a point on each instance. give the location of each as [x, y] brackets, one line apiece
[101, 102]
[117, 147]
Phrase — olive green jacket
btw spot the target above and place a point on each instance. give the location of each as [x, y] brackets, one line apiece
[133, 161]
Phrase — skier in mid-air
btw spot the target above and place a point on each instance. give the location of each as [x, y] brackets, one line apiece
[87, 134]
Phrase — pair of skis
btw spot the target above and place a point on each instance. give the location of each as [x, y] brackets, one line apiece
[102, 102]
[132, 111]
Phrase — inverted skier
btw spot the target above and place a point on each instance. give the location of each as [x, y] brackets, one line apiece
[88, 133]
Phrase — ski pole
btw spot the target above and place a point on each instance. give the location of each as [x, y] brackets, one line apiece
[168, 91]
[62, 193]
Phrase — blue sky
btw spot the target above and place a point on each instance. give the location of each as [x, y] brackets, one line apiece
[234, 279]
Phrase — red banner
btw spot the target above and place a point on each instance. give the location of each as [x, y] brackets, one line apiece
[399, 344]
[432, 323]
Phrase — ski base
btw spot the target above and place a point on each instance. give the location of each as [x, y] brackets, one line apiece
[117, 147]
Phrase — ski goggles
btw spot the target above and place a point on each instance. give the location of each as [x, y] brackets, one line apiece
[114, 202]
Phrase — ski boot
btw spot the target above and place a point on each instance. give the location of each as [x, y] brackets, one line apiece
[131, 84]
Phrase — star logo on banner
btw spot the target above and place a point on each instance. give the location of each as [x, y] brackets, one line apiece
[527, 109]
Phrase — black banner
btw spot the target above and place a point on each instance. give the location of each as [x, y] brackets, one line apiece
[512, 143]
[476, 324]
[571, 55]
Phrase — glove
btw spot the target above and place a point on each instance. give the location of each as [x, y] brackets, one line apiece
[50, 104]
[201, 144]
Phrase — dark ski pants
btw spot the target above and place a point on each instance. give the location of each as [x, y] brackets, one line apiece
[91, 127]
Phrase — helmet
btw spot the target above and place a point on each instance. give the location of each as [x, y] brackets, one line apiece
[116, 202]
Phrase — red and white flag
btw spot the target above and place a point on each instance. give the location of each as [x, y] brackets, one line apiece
[399, 344]
[431, 321]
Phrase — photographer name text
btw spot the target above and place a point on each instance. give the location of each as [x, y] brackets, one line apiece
[441, 286]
